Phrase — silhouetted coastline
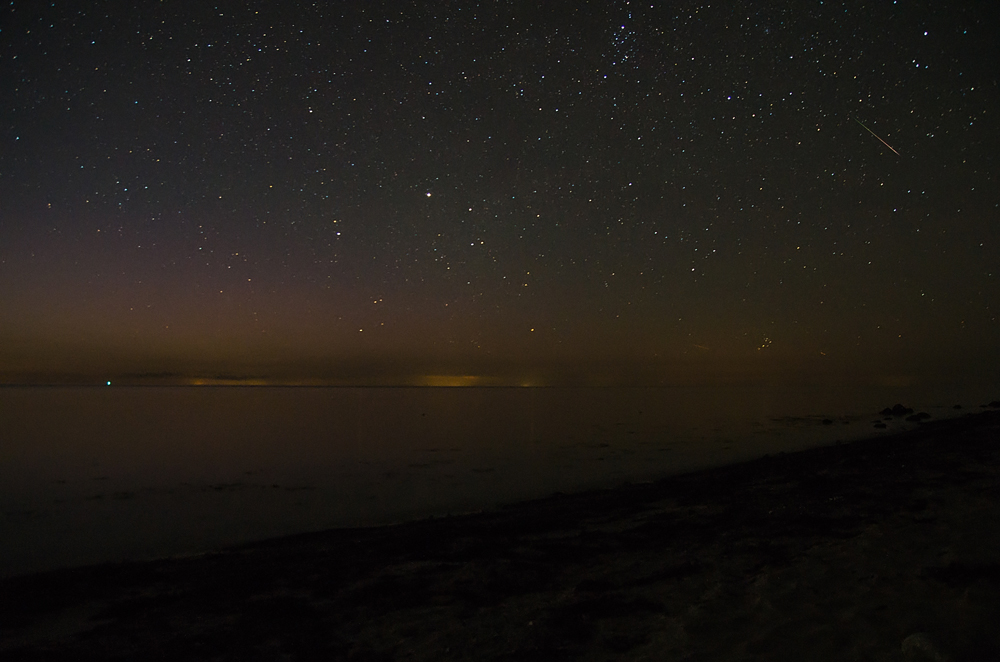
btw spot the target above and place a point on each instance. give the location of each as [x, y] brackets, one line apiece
[876, 549]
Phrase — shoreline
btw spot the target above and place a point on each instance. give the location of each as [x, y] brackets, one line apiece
[883, 548]
[138, 474]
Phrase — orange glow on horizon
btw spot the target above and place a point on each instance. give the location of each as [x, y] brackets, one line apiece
[450, 380]
[211, 381]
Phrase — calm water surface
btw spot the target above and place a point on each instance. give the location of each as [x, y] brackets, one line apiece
[100, 474]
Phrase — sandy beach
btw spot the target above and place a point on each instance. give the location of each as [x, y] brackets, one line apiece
[883, 549]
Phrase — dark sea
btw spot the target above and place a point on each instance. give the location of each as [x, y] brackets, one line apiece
[99, 474]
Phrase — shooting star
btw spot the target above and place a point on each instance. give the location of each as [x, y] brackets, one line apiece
[879, 139]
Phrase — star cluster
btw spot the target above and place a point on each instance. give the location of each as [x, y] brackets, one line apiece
[498, 183]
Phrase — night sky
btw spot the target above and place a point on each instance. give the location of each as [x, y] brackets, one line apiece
[536, 192]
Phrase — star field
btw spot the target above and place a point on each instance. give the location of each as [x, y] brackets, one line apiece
[637, 189]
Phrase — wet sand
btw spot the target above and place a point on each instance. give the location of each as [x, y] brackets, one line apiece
[883, 549]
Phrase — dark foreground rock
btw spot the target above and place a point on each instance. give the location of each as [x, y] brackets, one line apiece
[886, 549]
[896, 410]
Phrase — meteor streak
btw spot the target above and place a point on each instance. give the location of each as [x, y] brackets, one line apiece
[879, 139]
